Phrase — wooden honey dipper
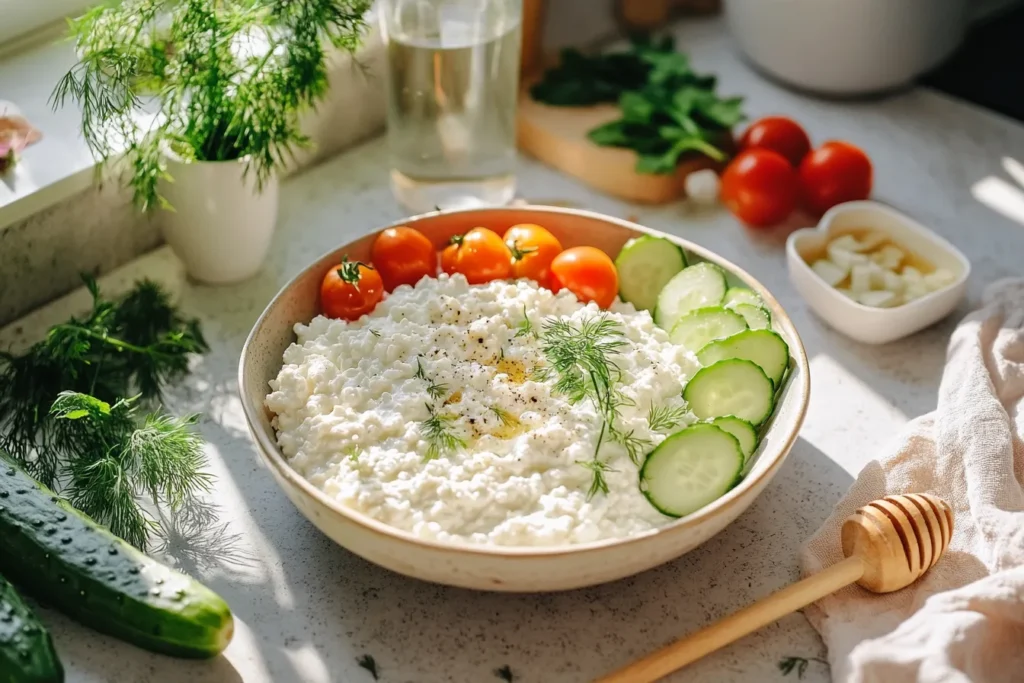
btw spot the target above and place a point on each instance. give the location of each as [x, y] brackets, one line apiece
[889, 543]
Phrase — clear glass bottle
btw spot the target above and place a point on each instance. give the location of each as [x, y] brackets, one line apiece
[452, 83]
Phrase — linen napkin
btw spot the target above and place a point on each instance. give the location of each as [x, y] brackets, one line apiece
[964, 620]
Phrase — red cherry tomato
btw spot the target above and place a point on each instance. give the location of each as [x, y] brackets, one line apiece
[778, 134]
[588, 273]
[834, 173]
[403, 256]
[350, 290]
[760, 187]
[480, 255]
[533, 249]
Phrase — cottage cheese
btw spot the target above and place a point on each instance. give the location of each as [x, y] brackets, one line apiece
[351, 399]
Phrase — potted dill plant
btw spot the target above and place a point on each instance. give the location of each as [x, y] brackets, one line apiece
[196, 105]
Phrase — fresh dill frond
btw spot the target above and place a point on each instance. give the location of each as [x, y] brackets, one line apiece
[374, 332]
[437, 432]
[788, 664]
[581, 358]
[504, 417]
[635, 446]
[352, 451]
[525, 327]
[137, 345]
[665, 418]
[420, 374]
[117, 460]
[598, 483]
[369, 663]
[504, 673]
[436, 391]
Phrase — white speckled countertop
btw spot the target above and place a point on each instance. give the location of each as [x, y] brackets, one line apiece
[306, 609]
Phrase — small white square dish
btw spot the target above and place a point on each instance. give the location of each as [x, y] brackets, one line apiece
[925, 256]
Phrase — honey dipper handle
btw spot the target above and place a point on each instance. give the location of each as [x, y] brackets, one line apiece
[739, 624]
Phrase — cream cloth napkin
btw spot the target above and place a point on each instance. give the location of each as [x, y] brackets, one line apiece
[964, 620]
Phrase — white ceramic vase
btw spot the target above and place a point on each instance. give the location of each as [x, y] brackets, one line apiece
[221, 224]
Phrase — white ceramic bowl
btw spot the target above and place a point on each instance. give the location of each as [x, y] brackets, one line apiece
[847, 47]
[864, 323]
[522, 569]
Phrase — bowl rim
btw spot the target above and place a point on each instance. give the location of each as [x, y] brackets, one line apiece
[270, 451]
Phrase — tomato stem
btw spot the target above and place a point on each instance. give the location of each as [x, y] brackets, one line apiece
[519, 254]
[348, 271]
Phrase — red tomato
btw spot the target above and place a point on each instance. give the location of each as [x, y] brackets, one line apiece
[350, 290]
[480, 255]
[760, 187]
[588, 273]
[403, 256]
[533, 249]
[834, 173]
[778, 134]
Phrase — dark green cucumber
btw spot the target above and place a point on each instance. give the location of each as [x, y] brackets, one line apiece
[26, 649]
[67, 560]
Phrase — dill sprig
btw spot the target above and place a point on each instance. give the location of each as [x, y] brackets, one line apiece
[635, 446]
[665, 418]
[598, 483]
[506, 418]
[116, 459]
[369, 663]
[135, 346]
[228, 80]
[437, 432]
[525, 327]
[435, 390]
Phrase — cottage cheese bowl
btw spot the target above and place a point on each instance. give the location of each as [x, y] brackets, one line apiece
[352, 398]
[337, 412]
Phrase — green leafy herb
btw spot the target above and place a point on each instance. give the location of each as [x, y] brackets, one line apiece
[598, 483]
[525, 327]
[665, 418]
[228, 80]
[375, 333]
[369, 663]
[635, 446]
[437, 432]
[352, 451]
[115, 459]
[135, 346]
[434, 390]
[504, 417]
[667, 109]
[580, 359]
[504, 673]
[788, 664]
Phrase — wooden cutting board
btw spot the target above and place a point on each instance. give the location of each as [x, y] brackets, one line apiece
[557, 136]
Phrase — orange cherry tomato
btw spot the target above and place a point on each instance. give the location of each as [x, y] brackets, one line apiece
[588, 273]
[350, 290]
[760, 187]
[533, 249]
[779, 134]
[834, 173]
[403, 256]
[480, 255]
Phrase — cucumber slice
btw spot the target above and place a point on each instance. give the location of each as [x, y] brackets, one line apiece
[763, 347]
[698, 286]
[695, 329]
[690, 469]
[645, 266]
[741, 295]
[757, 317]
[731, 387]
[26, 648]
[742, 430]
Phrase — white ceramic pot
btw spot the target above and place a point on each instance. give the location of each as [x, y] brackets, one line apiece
[221, 224]
[847, 47]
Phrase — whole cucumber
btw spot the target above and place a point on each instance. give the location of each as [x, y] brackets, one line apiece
[26, 649]
[65, 559]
